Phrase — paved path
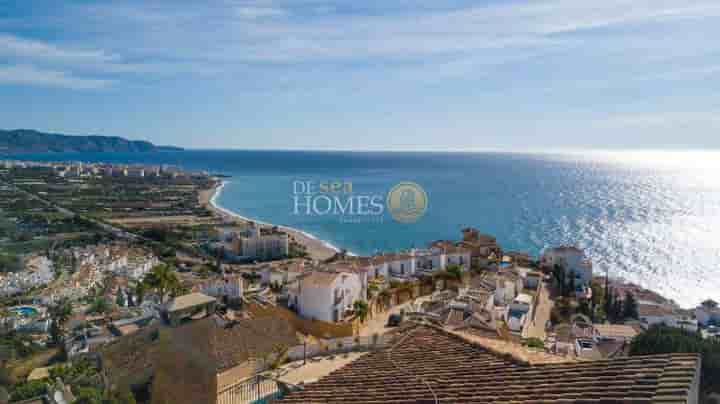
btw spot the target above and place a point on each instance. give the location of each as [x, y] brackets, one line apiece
[536, 328]
[376, 325]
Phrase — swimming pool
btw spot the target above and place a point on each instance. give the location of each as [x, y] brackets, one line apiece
[24, 310]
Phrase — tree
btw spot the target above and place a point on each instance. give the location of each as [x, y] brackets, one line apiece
[28, 390]
[140, 289]
[617, 308]
[559, 275]
[609, 303]
[120, 298]
[361, 310]
[61, 311]
[455, 272]
[99, 306]
[598, 296]
[162, 279]
[56, 333]
[570, 284]
[660, 339]
[630, 306]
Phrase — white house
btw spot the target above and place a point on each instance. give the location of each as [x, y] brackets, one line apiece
[429, 261]
[651, 314]
[518, 312]
[270, 275]
[458, 256]
[230, 287]
[326, 296]
[401, 265]
[708, 312]
[572, 260]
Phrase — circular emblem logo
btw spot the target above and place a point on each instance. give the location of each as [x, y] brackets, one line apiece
[407, 202]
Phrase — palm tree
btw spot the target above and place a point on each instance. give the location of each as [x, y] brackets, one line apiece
[162, 279]
[361, 310]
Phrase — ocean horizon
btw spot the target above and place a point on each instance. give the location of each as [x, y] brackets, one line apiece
[648, 217]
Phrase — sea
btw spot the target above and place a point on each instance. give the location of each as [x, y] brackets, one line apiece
[649, 217]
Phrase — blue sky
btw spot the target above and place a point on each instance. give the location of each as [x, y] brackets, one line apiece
[312, 74]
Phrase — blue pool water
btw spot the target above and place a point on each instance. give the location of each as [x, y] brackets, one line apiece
[650, 217]
[25, 311]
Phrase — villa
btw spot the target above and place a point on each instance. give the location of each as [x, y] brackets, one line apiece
[409, 265]
[708, 312]
[227, 289]
[326, 296]
[652, 314]
[572, 259]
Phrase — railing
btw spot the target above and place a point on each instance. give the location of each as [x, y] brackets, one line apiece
[256, 390]
[336, 346]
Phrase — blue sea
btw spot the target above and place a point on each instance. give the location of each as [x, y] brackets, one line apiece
[649, 217]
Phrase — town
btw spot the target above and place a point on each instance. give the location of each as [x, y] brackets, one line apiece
[124, 284]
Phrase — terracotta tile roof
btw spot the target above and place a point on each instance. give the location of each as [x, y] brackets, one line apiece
[227, 345]
[319, 278]
[433, 366]
[651, 310]
[616, 330]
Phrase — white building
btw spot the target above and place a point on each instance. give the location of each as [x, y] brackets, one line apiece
[458, 256]
[230, 287]
[708, 312]
[138, 266]
[572, 260]
[255, 245]
[326, 296]
[651, 314]
[519, 311]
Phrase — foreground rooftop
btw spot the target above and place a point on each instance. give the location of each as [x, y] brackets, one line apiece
[427, 364]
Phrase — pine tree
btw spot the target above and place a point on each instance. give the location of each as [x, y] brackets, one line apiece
[617, 308]
[608, 302]
[630, 308]
[120, 298]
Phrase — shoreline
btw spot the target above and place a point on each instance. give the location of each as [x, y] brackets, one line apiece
[316, 248]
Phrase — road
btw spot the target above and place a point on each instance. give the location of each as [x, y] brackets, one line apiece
[376, 325]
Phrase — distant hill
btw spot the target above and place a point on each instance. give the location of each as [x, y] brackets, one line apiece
[32, 141]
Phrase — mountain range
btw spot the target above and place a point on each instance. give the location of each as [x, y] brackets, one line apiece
[32, 141]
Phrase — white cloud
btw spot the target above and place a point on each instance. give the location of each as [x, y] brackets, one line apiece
[14, 46]
[259, 12]
[31, 75]
[226, 36]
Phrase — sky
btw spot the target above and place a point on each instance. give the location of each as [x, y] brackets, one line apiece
[367, 75]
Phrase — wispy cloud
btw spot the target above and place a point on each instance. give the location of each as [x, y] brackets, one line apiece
[254, 12]
[31, 75]
[228, 36]
[17, 47]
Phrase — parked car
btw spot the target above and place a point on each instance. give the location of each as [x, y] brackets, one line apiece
[394, 320]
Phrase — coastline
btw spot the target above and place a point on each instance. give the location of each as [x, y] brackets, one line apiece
[317, 249]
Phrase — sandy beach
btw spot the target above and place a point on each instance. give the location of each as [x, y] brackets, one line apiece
[316, 248]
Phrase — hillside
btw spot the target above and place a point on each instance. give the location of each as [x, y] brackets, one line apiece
[32, 141]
